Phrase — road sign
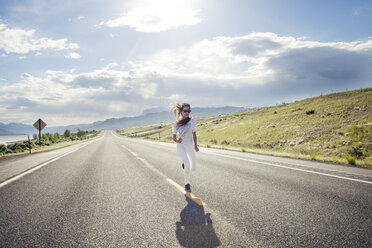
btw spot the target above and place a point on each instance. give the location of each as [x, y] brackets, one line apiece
[39, 124]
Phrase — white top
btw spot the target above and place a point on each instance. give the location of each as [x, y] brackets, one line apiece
[185, 131]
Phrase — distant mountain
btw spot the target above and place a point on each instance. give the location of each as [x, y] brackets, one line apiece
[157, 117]
[15, 129]
[5, 132]
[61, 129]
[150, 116]
[154, 110]
[18, 128]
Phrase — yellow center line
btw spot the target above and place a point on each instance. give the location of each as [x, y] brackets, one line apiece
[197, 200]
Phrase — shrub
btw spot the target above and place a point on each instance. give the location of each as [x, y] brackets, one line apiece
[12, 147]
[350, 159]
[22, 146]
[44, 137]
[310, 112]
[225, 142]
[8, 151]
[356, 151]
[27, 145]
[257, 145]
[213, 141]
[208, 145]
[44, 143]
[2, 148]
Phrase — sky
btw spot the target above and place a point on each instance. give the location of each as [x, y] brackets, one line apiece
[72, 62]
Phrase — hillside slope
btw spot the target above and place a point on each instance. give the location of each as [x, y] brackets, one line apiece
[332, 127]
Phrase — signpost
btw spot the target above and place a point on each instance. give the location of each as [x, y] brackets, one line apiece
[29, 144]
[39, 125]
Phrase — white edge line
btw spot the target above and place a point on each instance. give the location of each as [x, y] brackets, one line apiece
[291, 168]
[12, 179]
[167, 144]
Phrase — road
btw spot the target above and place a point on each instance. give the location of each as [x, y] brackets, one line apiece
[117, 192]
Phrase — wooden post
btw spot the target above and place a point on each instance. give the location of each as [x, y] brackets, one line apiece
[29, 143]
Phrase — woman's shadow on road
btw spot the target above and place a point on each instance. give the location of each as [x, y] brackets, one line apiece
[195, 228]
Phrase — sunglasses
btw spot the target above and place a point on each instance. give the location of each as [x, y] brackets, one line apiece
[186, 111]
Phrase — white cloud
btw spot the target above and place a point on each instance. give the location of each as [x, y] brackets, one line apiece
[16, 40]
[156, 17]
[91, 95]
[73, 56]
[114, 35]
[253, 70]
[80, 17]
[245, 59]
[22, 57]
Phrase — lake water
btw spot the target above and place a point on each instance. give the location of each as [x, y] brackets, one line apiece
[12, 138]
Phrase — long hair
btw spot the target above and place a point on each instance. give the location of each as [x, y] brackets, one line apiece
[177, 109]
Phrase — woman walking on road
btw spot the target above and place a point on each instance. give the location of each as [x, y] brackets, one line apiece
[187, 140]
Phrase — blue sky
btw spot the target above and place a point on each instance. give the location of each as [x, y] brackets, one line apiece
[72, 62]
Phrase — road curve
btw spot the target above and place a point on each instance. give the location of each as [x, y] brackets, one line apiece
[116, 192]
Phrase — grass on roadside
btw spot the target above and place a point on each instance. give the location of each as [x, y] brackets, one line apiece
[333, 128]
[18, 148]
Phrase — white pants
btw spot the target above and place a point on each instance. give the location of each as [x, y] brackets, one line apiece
[187, 154]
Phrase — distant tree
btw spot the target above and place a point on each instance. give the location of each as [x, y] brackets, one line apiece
[56, 136]
[81, 133]
[35, 137]
[50, 136]
[67, 133]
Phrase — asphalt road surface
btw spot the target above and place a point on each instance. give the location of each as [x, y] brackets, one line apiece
[116, 192]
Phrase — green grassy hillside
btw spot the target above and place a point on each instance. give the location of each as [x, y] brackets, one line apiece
[335, 127]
